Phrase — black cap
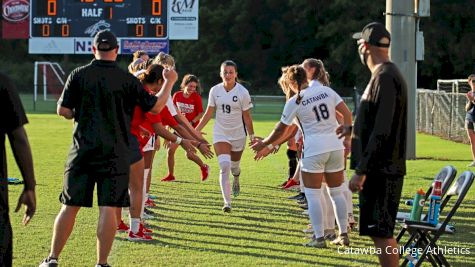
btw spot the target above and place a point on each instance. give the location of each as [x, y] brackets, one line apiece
[373, 34]
[105, 40]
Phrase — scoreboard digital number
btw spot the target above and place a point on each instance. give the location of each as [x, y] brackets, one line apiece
[84, 18]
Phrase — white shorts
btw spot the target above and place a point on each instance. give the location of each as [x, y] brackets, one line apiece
[236, 145]
[150, 146]
[333, 161]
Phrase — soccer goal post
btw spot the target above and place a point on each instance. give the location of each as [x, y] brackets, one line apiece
[48, 78]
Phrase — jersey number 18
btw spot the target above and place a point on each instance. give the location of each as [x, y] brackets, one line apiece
[321, 112]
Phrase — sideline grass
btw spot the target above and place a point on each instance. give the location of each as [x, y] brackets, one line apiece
[264, 228]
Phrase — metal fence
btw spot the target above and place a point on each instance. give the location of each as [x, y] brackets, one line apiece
[442, 113]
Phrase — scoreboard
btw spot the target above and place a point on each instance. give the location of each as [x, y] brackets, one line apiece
[84, 18]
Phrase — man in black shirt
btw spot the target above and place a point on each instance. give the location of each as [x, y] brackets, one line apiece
[101, 98]
[12, 121]
[379, 142]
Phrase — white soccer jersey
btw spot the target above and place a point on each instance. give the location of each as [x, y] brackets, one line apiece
[229, 107]
[316, 117]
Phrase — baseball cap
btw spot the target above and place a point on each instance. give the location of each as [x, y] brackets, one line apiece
[105, 40]
[373, 34]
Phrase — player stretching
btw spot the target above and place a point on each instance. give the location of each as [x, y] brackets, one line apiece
[232, 104]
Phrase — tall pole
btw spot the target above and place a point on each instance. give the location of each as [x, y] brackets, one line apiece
[401, 23]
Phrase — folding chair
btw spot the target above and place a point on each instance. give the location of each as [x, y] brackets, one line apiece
[446, 175]
[425, 236]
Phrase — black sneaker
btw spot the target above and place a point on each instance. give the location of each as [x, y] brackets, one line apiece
[49, 262]
[227, 208]
[304, 206]
[300, 196]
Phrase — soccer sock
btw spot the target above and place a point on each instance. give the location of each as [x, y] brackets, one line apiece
[339, 207]
[327, 207]
[145, 179]
[224, 161]
[134, 224]
[348, 195]
[235, 168]
[315, 210]
[292, 157]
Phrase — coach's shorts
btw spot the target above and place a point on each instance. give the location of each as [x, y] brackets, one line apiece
[333, 161]
[469, 125]
[78, 188]
[135, 153]
[379, 203]
[150, 146]
[236, 145]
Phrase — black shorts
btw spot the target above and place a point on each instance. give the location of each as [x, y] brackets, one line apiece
[136, 154]
[379, 203]
[6, 248]
[469, 125]
[78, 188]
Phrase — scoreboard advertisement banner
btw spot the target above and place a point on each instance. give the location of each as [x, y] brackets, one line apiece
[62, 26]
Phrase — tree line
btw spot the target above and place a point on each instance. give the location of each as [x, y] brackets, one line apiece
[262, 36]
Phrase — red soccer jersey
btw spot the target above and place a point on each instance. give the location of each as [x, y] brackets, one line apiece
[189, 106]
[167, 118]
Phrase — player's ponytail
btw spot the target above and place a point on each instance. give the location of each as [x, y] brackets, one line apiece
[152, 75]
[291, 76]
[320, 73]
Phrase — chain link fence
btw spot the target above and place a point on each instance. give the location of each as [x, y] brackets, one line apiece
[442, 112]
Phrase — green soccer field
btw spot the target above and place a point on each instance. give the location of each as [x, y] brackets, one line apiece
[264, 229]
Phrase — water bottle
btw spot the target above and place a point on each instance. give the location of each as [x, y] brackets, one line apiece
[417, 205]
[434, 204]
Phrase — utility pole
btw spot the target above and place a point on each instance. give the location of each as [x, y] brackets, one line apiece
[401, 23]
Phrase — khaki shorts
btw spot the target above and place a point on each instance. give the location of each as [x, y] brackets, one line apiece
[333, 161]
[236, 145]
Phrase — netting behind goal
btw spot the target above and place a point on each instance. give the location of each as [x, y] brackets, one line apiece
[453, 86]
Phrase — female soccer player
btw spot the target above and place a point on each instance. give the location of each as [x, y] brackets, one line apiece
[314, 108]
[188, 101]
[232, 104]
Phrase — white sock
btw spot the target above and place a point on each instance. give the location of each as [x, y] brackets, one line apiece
[134, 224]
[327, 207]
[348, 196]
[235, 168]
[224, 161]
[145, 179]
[315, 210]
[339, 206]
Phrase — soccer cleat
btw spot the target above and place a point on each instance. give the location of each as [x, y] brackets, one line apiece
[139, 236]
[147, 215]
[303, 201]
[49, 262]
[152, 197]
[471, 164]
[304, 206]
[316, 243]
[329, 234]
[283, 184]
[291, 184]
[150, 203]
[144, 229]
[227, 208]
[342, 240]
[168, 178]
[236, 188]
[299, 196]
[204, 172]
[122, 227]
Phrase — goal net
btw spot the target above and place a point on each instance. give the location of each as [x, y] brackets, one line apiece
[48, 81]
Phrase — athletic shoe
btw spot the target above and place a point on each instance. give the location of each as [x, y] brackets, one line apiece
[227, 208]
[329, 234]
[139, 236]
[147, 215]
[284, 183]
[49, 262]
[204, 173]
[152, 197]
[122, 227]
[304, 206]
[236, 188]
[291, 184]
[144, 229]
[150, 203]
[316, 243]
[299, 196]
[303, 201]
[471, 164]
[342, 240]
[168, 178]
[103, 265]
